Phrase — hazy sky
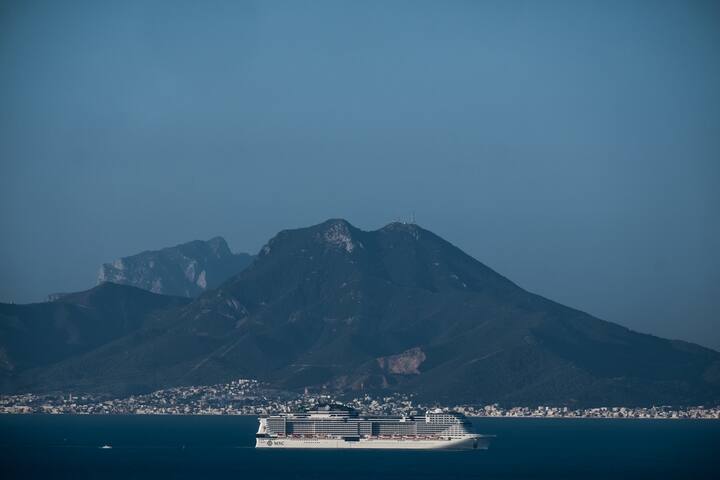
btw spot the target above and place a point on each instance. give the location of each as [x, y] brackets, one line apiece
[572, 146]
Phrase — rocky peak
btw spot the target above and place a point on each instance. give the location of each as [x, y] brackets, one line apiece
[338, 234]
[184, 270]
[219, 247]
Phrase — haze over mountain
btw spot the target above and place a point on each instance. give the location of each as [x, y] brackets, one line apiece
[337, 308]
[574, 147]
[184, 270]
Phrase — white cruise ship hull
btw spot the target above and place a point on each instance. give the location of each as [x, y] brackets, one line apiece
[463, 443]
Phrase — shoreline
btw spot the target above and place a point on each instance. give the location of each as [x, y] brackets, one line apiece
[526, 417]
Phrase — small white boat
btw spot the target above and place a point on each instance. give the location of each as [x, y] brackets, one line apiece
[106, 447]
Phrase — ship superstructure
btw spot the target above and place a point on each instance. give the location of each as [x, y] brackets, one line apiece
[342, 427]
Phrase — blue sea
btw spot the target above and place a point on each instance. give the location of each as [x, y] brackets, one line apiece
[67, 446]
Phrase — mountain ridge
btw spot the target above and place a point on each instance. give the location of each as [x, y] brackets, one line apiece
[186, 269]
[332, 307]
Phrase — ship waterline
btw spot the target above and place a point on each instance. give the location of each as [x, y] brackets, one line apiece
[333, 427]
[477, 442]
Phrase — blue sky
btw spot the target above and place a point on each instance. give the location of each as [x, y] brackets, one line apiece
[572, 146]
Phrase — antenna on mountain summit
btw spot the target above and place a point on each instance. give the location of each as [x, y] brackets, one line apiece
[406, 220]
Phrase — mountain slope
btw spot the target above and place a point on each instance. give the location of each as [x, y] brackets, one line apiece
[331, 306]
[184, 270]
[40, 334]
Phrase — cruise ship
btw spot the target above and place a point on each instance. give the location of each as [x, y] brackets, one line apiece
[342, 427]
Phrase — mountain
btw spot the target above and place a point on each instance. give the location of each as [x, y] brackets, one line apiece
[337, 308]
[39, 334]
[184, 270]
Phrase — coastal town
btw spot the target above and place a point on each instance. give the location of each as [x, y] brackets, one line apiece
[251, 397]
